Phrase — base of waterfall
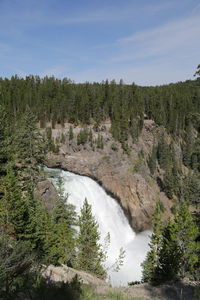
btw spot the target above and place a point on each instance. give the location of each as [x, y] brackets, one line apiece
[112, 220]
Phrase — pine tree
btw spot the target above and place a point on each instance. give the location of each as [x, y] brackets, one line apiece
[64, 218]
[71, 134]
[28, 149]
[169, 257]
[15, 214]
[16, 260]
[3, 144]
[173, 249]
[151, 263]
[54, 235]
[197, 73]
[90, 255]
[90, 138]
[99, 141]
[168, 182]
[164, 154]
[185, 233]
[50, 146]
[152, 160]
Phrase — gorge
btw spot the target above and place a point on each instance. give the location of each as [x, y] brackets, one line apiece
[125, 177]
[110, 218]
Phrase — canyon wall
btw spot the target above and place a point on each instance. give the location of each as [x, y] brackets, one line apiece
[124, 176]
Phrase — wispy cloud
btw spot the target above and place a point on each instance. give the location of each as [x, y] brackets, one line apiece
[175, 38]
[159, 55]
[111, 13]
[153, 73]
[93, 40]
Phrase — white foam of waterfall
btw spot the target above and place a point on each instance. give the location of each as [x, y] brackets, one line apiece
[110, 218]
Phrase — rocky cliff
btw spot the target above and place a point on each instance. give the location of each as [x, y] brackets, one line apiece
[125, 176]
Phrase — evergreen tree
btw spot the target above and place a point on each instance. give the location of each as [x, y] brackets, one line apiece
[185, 233]
[152, 160]
[64, 217]
[169, 257]
[164, 154]
[28, 149]
[90, 255]
[71, 134]
[49, 140]
[82, 136]
[99, 141]
[151, 263]
[16, 260]
[197, 73]
[90, 138]
[168, 182]
[173, 249]
[3, 141]
[15, 213]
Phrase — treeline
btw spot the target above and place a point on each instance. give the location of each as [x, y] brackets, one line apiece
[174, 106]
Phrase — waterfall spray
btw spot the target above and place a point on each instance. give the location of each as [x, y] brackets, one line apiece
[111, 218]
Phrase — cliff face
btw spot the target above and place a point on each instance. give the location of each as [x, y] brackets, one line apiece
[126, 177]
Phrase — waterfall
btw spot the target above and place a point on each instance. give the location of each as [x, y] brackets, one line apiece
[110, 218]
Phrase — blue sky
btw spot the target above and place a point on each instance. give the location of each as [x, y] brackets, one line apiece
[148, 42]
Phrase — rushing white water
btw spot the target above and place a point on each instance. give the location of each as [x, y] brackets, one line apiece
[111, 219]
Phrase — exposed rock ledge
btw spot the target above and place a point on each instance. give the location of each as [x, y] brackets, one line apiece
[136, 191]
[171, 290]
[66, 274]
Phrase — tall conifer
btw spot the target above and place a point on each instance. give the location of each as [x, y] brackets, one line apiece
[90, 255]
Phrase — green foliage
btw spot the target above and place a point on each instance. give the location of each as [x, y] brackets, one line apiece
[152, 160]
[71, 134]
[164, 154]
[138, 163]
[28, 141]
[54, 234]
[15, 210]
[27, 149]
[151, 262]
[197, 73]
[191, 189]
[90, 255]
[3, 141]
[64, 219]
[114, 147]
[99, 142]
[116, 295]
[185, 234]
[16, 260]
[173, 248]
[126, 106]
[45, 290]
[169, 184]
[82, 137]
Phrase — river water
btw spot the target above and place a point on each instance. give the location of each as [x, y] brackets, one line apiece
[110, 218]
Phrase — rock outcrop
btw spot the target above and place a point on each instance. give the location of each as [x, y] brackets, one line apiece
[171, 290]
[126, 177]
[46, 191]
[66, 274]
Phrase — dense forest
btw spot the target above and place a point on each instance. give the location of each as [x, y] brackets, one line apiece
[31, 237]
[175, 106]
